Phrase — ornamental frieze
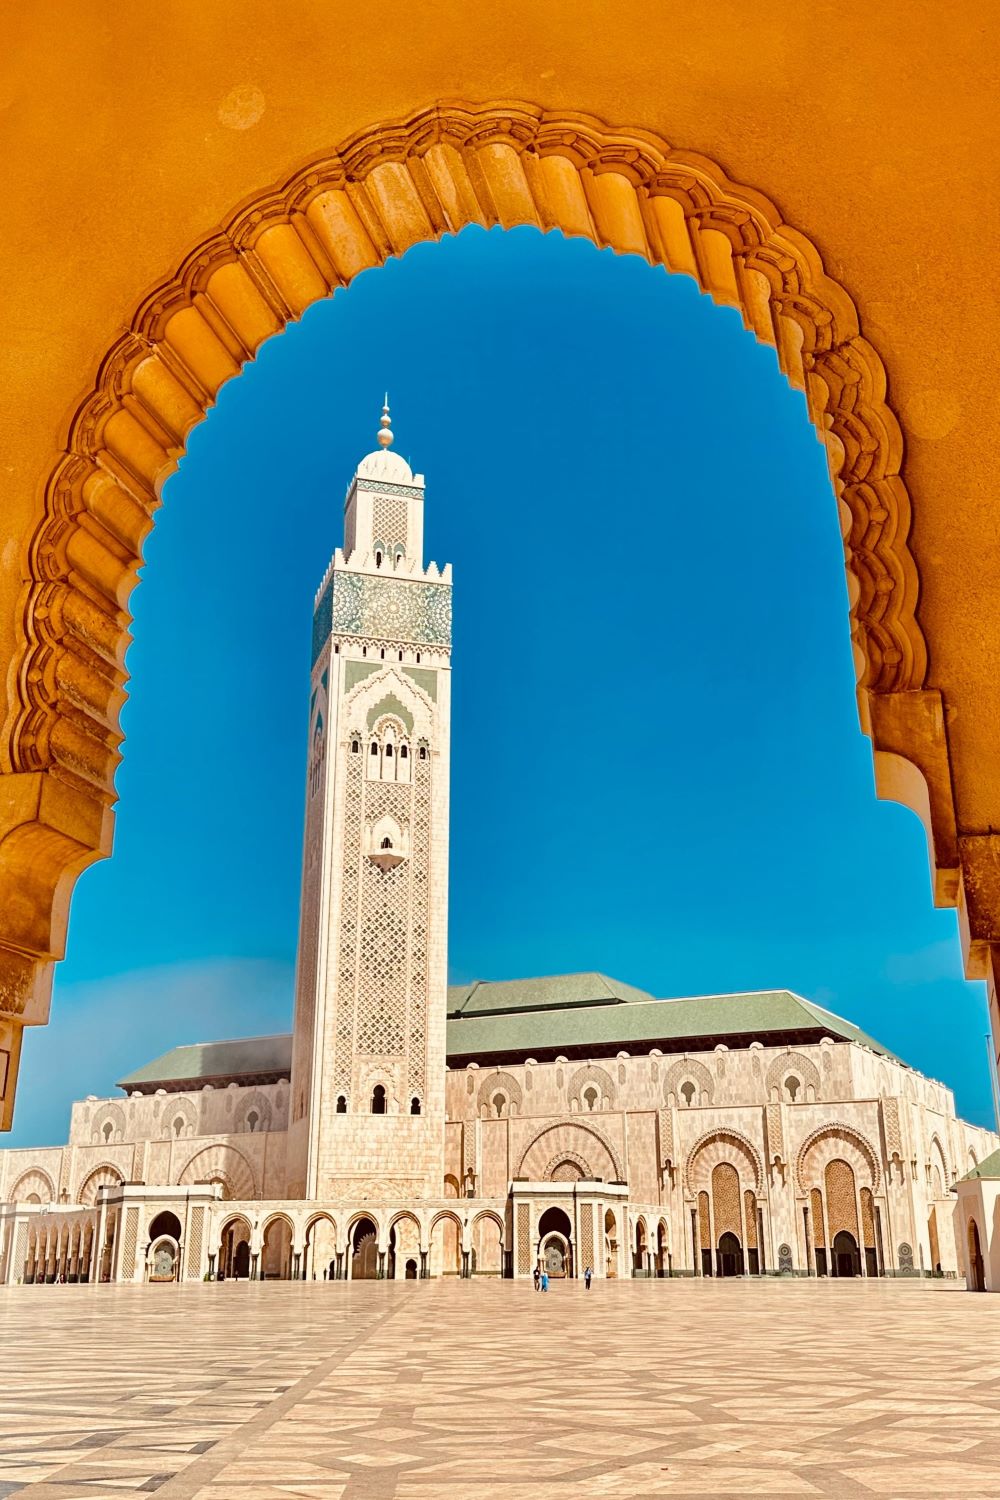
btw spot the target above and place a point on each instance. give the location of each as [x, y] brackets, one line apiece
[383, 608]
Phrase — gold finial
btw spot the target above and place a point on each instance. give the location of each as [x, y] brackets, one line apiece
[384, 429]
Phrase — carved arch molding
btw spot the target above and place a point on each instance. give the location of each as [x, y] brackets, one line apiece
[384, 190]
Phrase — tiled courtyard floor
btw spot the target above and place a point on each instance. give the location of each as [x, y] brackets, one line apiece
[372, 1390]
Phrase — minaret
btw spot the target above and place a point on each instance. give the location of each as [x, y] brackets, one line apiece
[368, 1055]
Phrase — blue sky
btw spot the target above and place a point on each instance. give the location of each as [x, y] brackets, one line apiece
[657, 766]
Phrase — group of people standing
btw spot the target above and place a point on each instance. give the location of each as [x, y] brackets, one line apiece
[541, 1278]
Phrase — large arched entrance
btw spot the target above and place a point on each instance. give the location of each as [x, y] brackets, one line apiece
[364, 1250]
[555, 1243]
[388, 188]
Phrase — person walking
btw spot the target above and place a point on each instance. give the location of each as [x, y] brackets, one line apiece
[536, 1277]
[545, 1281]
[587, 1275]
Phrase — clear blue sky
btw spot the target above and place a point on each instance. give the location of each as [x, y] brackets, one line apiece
[657, 767]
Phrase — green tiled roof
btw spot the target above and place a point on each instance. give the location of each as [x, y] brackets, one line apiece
[989, 1167]
[561, 1019]
[255, 1057]
[554, 991]
[576, 1014]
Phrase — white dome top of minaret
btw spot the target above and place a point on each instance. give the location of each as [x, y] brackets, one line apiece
[382, 464]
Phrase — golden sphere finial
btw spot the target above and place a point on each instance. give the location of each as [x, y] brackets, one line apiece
[385, 430]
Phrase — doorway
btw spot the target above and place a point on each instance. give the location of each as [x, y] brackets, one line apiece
[364, 1243]
[977, 1275]
[846, 1255]
[555, 1243]
[730, 1255]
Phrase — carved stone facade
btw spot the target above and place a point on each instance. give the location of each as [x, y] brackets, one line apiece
[405, 1131]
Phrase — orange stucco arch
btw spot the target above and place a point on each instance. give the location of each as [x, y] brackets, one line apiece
[385, 189]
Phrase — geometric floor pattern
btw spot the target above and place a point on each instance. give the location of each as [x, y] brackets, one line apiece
[487, 1389]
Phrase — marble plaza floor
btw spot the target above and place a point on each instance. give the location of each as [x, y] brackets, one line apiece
[373, 1390]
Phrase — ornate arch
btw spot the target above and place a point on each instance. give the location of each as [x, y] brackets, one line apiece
[319, 1218]
[105, 1175]
[232, 1221]
[254, 1102]
[553, 1171]
[935, 1155]
[793, 1062]
[723, 1145]
[174, 1109]
[685, 1068]
[108, 1113]
[838, 1140]
[33, 1181]
[499, 1082]
[599, 1077]
[386, 188]
[225, 1164]
[568, 1140]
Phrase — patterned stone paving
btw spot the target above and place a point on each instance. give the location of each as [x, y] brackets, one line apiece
[373, 1391]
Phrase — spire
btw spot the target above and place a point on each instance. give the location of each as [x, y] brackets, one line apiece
[385, 431]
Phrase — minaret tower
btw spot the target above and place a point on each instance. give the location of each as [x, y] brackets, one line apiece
[368, 1054]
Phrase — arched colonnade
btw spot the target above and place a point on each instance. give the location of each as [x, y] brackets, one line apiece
[308, 1243]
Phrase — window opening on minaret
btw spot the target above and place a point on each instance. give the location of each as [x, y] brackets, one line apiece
[374, 748]
[355, 747]
[387, 843]
[414, 1106]
[423, 752]
[341, 1104]
[378, 557]
[378, 1100]
[403, 753]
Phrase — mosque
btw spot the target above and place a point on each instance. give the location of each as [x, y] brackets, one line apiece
[407, 1130]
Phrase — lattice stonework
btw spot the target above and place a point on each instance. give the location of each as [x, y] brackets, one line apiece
[750, 1214]
[194, 1239]
[130, 1235]
[816, 1210]
[384, 928]
[586, 1236]
[775, 1133]
[523, 1239]
[841, 1203]
[389, 520]
[704, 1224]
[666, 1123]
[868, 1218]
[419, 917]
[348, 958]
[726, 1199]
[21, 1249]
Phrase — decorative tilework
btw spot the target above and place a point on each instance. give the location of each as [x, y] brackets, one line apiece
[417, 1391]
[391, 608]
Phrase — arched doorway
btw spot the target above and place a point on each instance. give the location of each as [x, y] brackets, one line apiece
[729, 1256]
[364, 1251]
[977, 1273]
[610, 1245]
[846, 1255]
[163, 1261]
[276, 1250]
[555, 1243]
[234, 1250]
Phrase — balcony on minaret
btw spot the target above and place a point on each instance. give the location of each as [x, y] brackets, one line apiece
[387, 844]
